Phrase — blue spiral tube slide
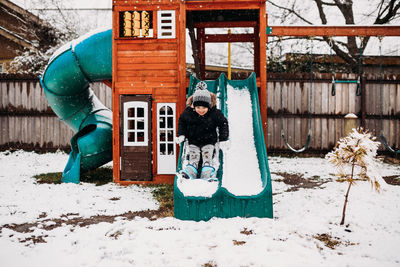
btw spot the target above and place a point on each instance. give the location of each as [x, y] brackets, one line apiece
[66, 83]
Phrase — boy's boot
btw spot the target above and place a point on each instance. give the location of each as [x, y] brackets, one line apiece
[189, 172]
[208, 171]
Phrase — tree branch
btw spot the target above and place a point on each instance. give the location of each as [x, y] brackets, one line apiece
[291, 11]
[321, 11]
[391, 9]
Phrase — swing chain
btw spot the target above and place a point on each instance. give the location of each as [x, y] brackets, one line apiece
[310, 108]
[360, 62]
[333, 92]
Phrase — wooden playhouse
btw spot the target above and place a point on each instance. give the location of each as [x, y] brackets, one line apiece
[149, 75]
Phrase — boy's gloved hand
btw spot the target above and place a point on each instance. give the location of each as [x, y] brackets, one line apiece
[224, 145]
[179, 139]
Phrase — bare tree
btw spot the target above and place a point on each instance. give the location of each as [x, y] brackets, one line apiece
[55, 30]
[349, 51]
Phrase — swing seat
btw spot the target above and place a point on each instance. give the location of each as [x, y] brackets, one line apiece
[334, 82]
[345, 81]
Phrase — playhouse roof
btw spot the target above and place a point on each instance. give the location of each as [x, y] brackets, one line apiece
[16, 24]
[17, 29]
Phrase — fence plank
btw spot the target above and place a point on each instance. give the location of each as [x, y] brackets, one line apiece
[291, 109]
[324, 110]
[397, 96]
[297, 110]
[277, 124]
[4, 95]
[352, 88]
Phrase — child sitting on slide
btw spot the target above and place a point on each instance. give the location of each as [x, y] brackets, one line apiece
[199, 123]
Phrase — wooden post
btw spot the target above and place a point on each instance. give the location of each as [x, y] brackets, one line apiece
[257, 50]
[350, 122]
[202, 52]
[229, 58]
[263, 69]
[182, 61]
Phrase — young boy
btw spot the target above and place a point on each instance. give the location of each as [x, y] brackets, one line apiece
[199, 123]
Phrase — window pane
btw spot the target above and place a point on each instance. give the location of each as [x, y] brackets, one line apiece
[131, 137]
[131, 112]
[162, 136]
[162, 149]
[170, 136]
[140, 136]
[162, 122]
[170, 149]
[170, 111]
[131, 124]
[140, 125]
[170, 121]
[162, 110]
[140, 112]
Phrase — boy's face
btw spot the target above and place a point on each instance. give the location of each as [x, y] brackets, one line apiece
[201, 110]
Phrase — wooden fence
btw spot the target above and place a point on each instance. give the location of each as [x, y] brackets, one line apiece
[327, 111]
[26, 120]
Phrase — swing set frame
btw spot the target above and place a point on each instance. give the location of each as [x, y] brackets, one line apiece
[335, 31]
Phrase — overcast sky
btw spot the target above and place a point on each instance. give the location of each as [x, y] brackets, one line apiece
[93, 4]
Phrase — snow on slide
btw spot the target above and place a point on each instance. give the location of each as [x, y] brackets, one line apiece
[241, 173]
[197, 187]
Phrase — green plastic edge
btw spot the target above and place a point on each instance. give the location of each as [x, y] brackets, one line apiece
[222, 203]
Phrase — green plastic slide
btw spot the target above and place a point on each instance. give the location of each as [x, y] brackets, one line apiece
[66, 85]
[223, 203]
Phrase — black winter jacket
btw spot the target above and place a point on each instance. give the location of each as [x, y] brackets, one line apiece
[202, 130]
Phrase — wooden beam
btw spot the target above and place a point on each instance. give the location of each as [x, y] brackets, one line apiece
[372, 30]
[226, 38]
[224, 5]
[225, 24]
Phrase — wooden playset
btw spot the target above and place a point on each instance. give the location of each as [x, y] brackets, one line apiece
[149, 75]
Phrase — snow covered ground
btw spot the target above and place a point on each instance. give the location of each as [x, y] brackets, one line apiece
[37, 222]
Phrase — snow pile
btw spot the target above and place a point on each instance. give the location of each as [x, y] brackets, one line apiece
[371, 238]
[241, 174]
[197, 187]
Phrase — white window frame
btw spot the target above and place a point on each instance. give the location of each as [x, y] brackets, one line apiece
[136, 104]
[166, 164]
[161, 24]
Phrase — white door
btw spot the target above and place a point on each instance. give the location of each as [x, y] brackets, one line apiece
[166, 148]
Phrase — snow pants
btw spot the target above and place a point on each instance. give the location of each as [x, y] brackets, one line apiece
[207, 153]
